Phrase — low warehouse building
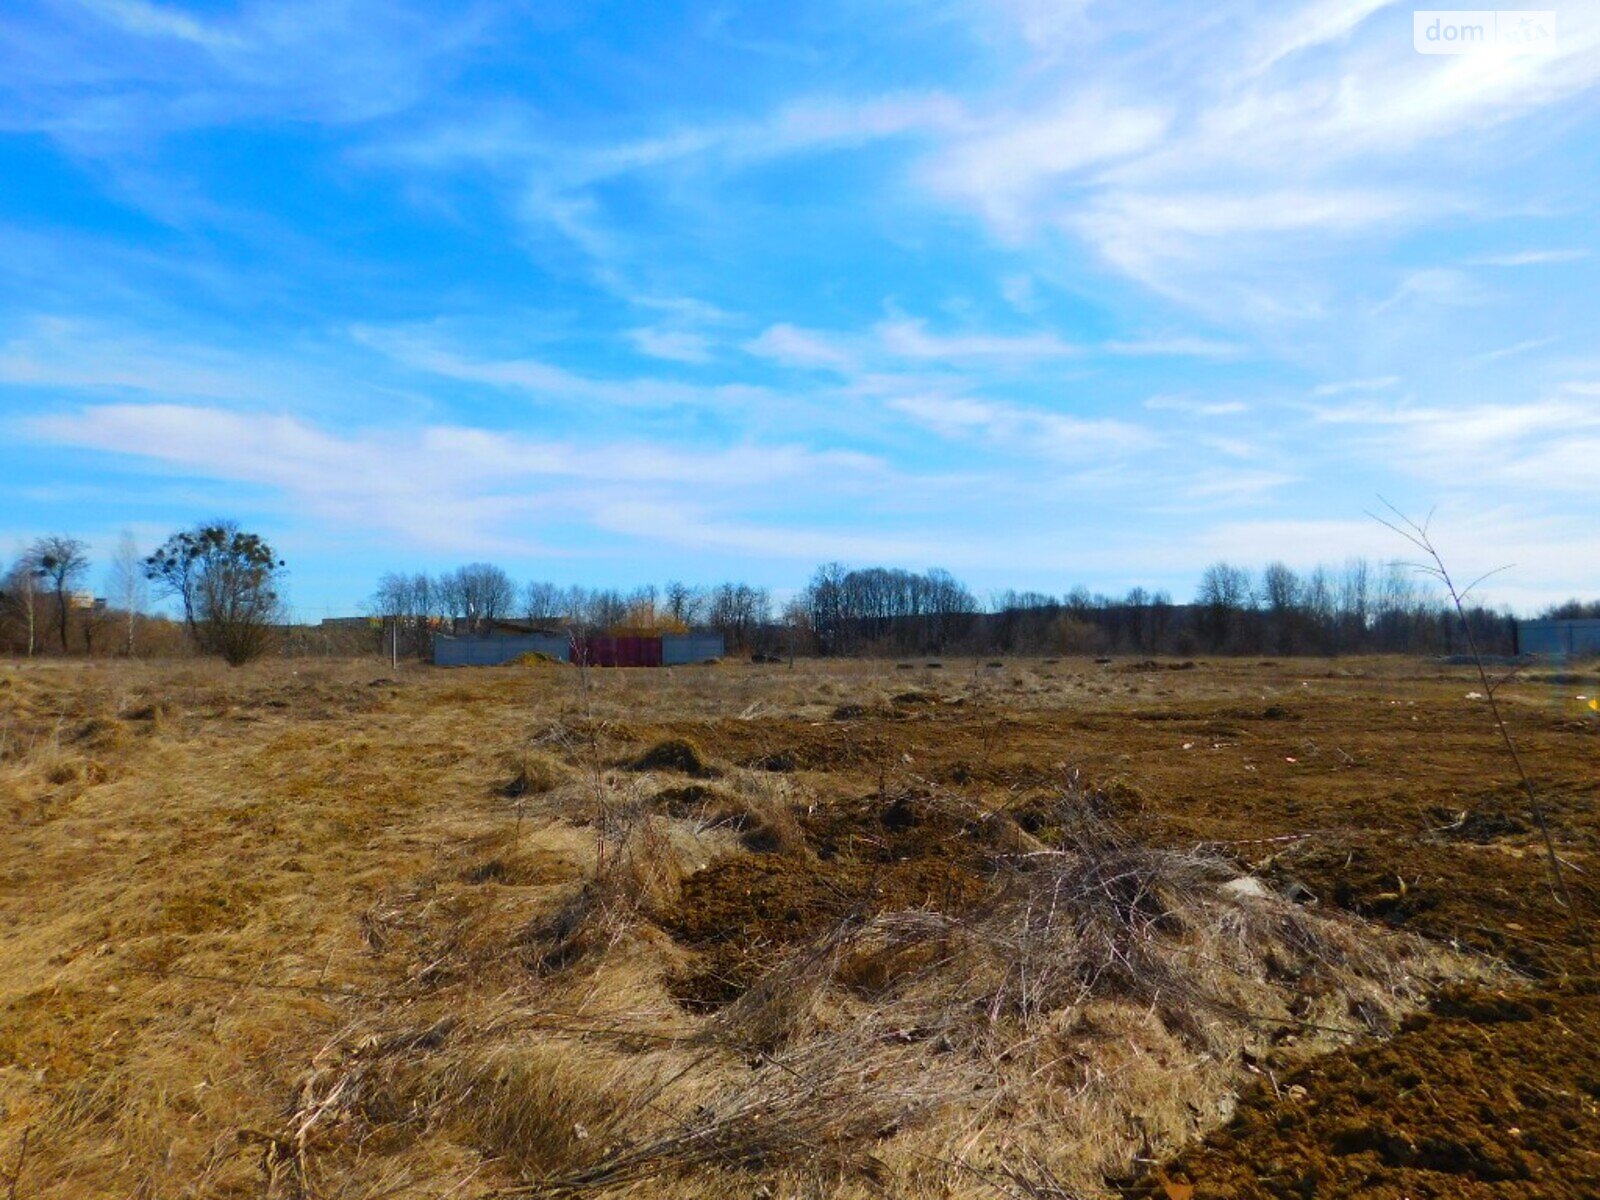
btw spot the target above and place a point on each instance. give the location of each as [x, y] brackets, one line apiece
[679, 649]
[595, 650]
[494, 650]
[1559, 639]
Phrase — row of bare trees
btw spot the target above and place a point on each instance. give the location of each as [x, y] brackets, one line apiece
[44, 607]
[225, 582]
[879, 608]
[474, 597]
[1358, 607]
[1362, 607]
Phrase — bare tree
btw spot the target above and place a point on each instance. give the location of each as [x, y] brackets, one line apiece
[21, 597]
[683, 603]
[544, 603]
[737, 609]
[1282, 591]
[407, 604]
[95, 620]
[482, 593]
[1224, 594]
[227, 581]
[128, 588]
[62, 562]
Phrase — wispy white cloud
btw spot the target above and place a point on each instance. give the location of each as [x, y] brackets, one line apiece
[1521, 347]
[1540, 446]
[1001, 169]
[157, 21]
[1196, 408]
[675, 345]
[425, 350]
[1176, 347]
[1308, 27]
[796, 347]
[442, 486]
[1434, 286]
[1028, 431]
[1531, 258]
[84, 83]
[65, 352]
[1342, 387]
[1293, 134]
[910, 339]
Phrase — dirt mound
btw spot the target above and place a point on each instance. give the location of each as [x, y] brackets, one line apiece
[535, 658]
[1476, 825]
[1050, 815]
[910, 825]
[855, 859]
[676, 754]
[533, 774]
[690, 801]
[764, 825]
[1469, 1102]
[744, 912]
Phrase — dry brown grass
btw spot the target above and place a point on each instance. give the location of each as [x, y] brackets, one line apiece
[286, 932]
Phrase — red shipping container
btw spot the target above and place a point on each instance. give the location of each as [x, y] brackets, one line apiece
[607, 651]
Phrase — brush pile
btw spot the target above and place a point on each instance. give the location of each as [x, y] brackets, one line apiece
[1093, 1002]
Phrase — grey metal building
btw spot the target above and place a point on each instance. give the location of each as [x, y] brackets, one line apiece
[1559, 639]
[680, 649]
[493, 651]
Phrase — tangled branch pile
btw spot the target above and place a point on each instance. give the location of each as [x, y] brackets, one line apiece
[1103, 1003]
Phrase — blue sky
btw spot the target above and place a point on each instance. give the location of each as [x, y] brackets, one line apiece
[1043, 293]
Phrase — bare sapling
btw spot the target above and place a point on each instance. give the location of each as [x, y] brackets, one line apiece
[1433, 566]
[592, 763]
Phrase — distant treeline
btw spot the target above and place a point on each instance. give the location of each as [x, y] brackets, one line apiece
[1358, 608]
[474, 598]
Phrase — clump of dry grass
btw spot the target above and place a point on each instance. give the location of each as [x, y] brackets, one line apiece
[637, 880]
[534, 773]
[824, 1106]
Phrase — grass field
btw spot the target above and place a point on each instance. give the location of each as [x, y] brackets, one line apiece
[1030, 929]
